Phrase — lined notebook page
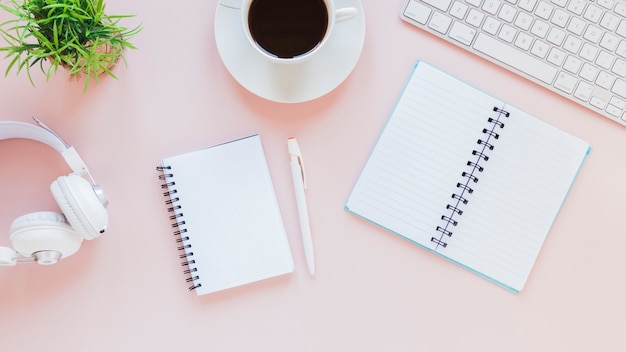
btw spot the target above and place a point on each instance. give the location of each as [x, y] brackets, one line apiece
[231, 215]
[421, 155]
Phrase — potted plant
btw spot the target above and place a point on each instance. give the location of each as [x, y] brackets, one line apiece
[74, 34]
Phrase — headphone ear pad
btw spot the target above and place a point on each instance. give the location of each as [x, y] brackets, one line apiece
[42, 231]
[8, 256]
[80, 204]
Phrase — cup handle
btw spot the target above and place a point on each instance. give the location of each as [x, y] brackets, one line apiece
[345, 13]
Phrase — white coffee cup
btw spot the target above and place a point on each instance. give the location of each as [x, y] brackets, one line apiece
[288, 32]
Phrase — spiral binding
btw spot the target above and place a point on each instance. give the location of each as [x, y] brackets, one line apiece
[470, 176]
[178, 223]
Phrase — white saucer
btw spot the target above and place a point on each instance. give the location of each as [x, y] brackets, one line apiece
[289, 83]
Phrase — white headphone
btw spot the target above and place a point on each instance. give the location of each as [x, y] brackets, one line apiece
[45, 237]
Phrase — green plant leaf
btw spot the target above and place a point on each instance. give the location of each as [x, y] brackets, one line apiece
[11, 64]
[64, 33]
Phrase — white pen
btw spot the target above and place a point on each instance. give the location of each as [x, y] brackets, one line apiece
[299, 184]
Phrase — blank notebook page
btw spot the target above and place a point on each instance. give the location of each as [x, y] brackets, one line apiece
[419, 162]
[231, 215]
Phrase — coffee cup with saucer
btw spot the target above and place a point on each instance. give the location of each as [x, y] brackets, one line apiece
[290, 76]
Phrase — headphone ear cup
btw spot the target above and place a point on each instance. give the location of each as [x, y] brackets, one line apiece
[44, 231]
[80, 204]
[8, 256]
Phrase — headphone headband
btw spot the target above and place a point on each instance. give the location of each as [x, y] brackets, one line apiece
[16, 129]
[45, 135]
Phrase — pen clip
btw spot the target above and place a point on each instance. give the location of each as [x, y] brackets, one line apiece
[294, 151]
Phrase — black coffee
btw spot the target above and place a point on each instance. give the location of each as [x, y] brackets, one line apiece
[288, 28]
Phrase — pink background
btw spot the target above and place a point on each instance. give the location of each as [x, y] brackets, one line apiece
[373, 291]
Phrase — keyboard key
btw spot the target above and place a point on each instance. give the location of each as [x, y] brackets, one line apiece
[576, 26]
[607, 4]
[560, 18]
[458, 10]
[462, 33]
[609, 21]
[540, 49]
[621, 29]
[544, 10]
[440, 22]
[619, 88]
[507, 13]
[572, 64]
[440, 4]
[417, 12]
[475, 18]
[621, 49]
[524, 21]
[572, 44]
[556, 56]
[593, 34]
[588, 52]
[583, 91]
[491, 6]
[523, 41]
[565, 82]
[577, 6]
[605, 80]
[524, 62]
[507, 33]
[619, 103]
[609, 41]
[593, 13]
[556, 36]
[620, 9]
[540, 29]
[605, 60]
[528, 5]
[491, 25]
[613, 110]
[619, 68]
[597, 102]
[588, 72]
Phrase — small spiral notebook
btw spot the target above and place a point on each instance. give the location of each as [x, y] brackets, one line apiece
[468, 176]
[225, 215]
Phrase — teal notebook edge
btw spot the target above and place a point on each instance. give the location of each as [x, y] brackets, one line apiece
[478, 273]
[435, 252]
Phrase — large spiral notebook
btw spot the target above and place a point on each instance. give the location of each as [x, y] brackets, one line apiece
[468, 176]
[225, 215]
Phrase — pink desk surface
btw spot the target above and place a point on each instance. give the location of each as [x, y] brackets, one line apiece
[373, 291]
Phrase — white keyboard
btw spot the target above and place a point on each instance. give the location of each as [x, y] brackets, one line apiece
[576, 48]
